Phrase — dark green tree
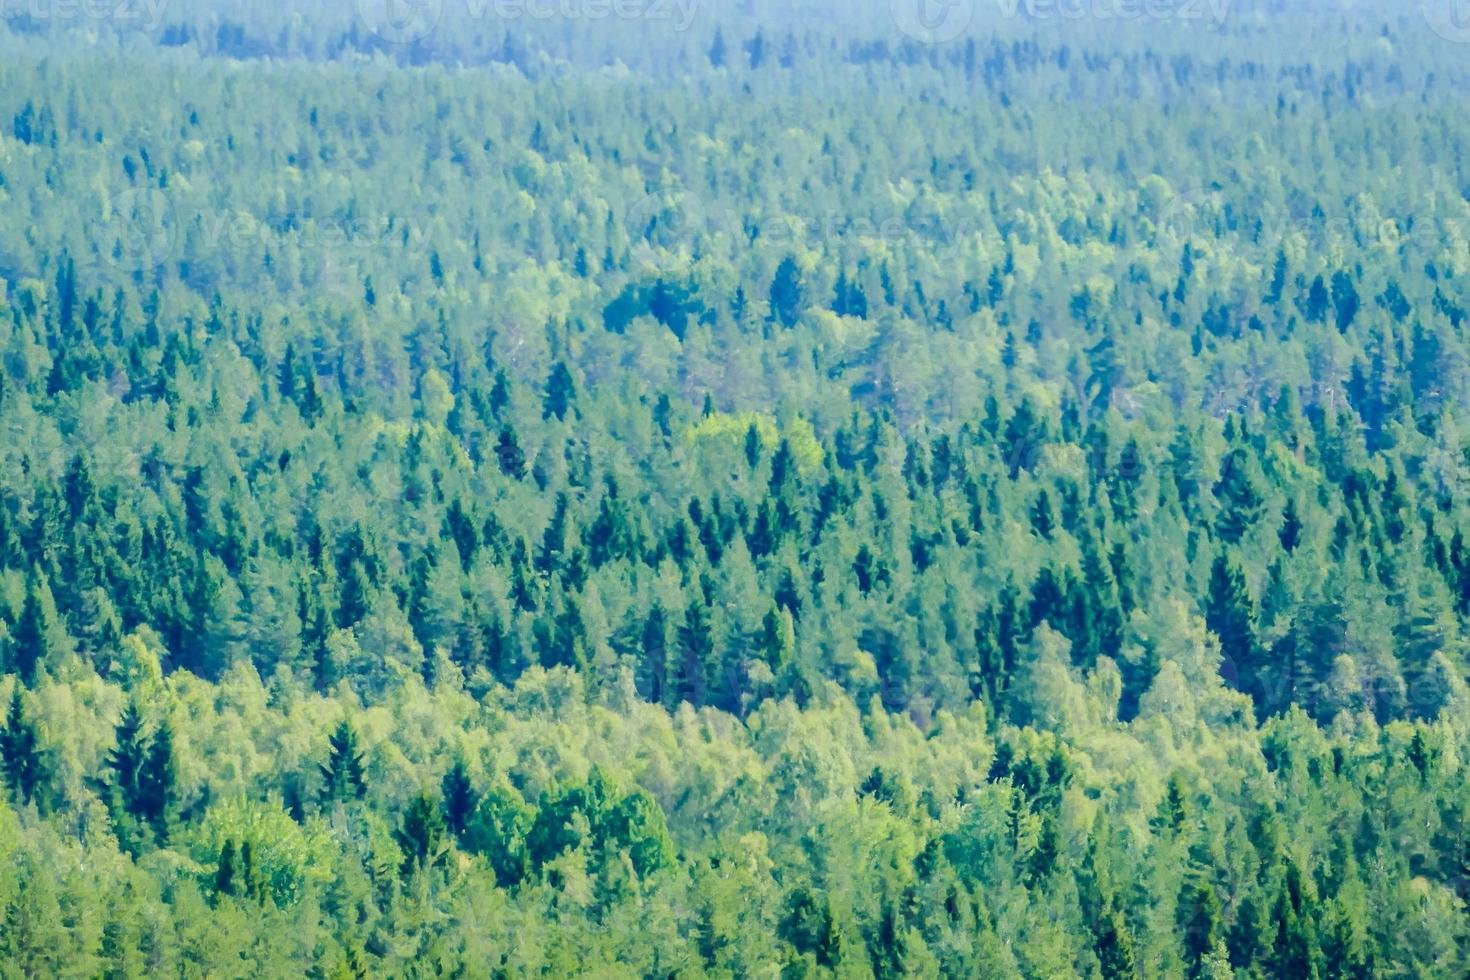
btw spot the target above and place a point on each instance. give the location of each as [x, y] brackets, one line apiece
[224, 876]
[508, 454]
[1230, 613]
[460, 797]
[1199, 923]
[1114, 947]
[421, 835]
[31, 636]
[498, 830]
[342, 773]
[788, 293]
[20, 756]
[1240, 495]
[561, 391]
[158, 783]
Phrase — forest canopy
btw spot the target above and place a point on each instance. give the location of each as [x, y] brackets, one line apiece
[671, 492]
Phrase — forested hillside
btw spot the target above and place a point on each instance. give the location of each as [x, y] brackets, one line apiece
[698, 494]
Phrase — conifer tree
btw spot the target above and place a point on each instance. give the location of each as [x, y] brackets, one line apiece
[342, 773]
[1199, 924]
[157, 783]
[1115, 947]
[31, 636]
[226, 871]
[787, 293]
[421, 834]
[508, 454]
[20, 757]
[460, 798]
[1230, 614]
[129, 783]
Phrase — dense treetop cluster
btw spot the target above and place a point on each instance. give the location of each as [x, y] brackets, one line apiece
[790, 501]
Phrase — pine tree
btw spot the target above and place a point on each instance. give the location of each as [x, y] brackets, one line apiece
[342, 773]
[1296, 951]
[1239, 494]
[696, 651]
[508, 455]
[224, 876]
[1199, 923]
[561, 391]
[1230, 613]
[788, 293]
[1025, 434]
[498, 830]
[157, 783]
[752, 446]
[30, 638]
[1115, 947]
[637, 825]
[778, 639]
[809, 926]
[20, 757]
[421, 834]
[128, 786]
[460, 798]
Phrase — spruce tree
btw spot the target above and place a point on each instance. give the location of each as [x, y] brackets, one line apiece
[1230, 614]
[20, 757]
[129, 764]
[342, 773]
[508, 454]
[1115, 947]
[787, 293]
[158, 783]
[224, 876]
[1199, 924]
[30, 638]
[561, 391]
[421, 834]
[460, 797]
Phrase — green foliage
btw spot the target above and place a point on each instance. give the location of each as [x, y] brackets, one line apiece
[422, 834]
[342, 773]
[766, 496]
[20, 755]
